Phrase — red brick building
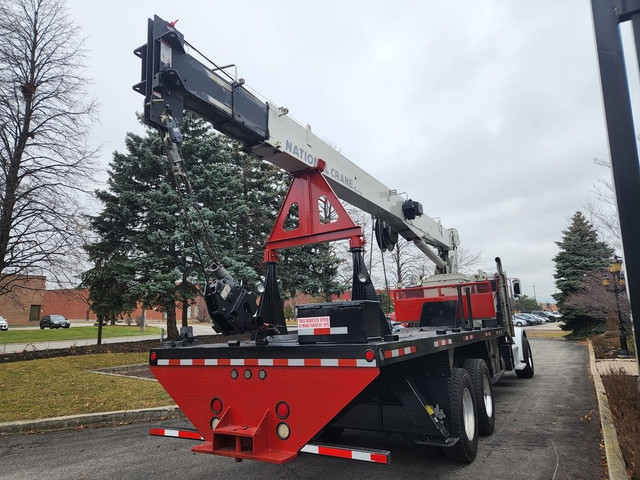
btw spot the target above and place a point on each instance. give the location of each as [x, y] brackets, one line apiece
[550, 307]
[24, 303]
[29, 301]
[74, 306]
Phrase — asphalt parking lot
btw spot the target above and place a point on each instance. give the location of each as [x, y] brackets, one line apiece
[548, 428]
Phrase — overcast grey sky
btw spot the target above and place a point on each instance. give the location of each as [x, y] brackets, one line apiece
[490, 114]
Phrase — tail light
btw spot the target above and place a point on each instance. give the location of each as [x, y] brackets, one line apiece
[216, 405]
[282, 410]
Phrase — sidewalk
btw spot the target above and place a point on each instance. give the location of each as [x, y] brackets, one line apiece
[628, 365]
[615, 463]
[199, 329]
[21, 347]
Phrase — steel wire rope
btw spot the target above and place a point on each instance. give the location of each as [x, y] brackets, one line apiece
[245, 86]
[386, 282]
[178, 172]
[371, 249]
[221, 69]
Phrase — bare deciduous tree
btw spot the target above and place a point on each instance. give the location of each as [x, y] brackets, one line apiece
[602, 210]
[409, 264]
[593, 298]
[45, 162]
[468, 260]
[405, 265]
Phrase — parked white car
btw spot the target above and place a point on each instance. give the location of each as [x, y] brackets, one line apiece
[4, 325]
[520, 321]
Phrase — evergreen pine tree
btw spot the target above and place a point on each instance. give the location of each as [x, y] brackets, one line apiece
[581, 253]
[143, 230]
[526, 304]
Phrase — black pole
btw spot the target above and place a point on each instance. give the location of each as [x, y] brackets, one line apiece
[607, 14]
[467, 292]
[459, 309]
[616, 271]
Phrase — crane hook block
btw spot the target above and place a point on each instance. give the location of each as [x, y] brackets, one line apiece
[231, 307]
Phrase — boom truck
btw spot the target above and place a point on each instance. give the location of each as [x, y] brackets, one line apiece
[282, 393]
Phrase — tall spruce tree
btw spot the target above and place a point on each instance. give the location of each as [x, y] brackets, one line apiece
[310, 269]
[144, 222]
[526, 304]
[581, 254]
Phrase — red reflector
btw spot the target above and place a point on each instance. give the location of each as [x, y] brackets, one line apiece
[216, 405]
[154, 355]
[282, 410]
[370, 355]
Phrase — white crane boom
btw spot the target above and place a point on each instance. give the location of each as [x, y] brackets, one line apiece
[173, 80]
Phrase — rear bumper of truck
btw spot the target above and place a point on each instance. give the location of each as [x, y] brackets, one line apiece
[268, 403]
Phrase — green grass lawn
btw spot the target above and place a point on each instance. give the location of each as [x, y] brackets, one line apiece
[73, 333]
[557, 334]
[62, 386]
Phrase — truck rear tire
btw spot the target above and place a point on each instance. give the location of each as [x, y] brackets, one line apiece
[528, 371]
[463, 417]
[483, 394]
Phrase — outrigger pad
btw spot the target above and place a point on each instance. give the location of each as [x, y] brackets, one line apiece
[251, 422]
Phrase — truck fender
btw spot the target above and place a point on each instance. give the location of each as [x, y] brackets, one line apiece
[519, 337]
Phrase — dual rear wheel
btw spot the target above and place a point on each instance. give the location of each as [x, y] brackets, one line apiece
[472, 408]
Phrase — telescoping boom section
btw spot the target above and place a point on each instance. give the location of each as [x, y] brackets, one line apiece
[346, 366]
[172, 81]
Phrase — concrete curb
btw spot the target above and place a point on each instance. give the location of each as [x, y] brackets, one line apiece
[90, 420]
[615, 463]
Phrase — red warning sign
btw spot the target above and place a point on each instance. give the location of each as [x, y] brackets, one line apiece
[314, 322]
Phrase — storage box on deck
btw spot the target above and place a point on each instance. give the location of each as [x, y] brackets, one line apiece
[339, 322]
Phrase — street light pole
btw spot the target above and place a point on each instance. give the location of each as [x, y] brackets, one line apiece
[625, 168]
[624, 349]
[617, 283]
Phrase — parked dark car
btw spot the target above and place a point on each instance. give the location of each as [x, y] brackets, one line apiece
[535, 320]
[548, 315]
[54, 321]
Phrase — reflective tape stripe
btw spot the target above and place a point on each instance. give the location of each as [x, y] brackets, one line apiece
[323, 331]
[175, 433]
[398, 352]
[375, 456]
[272, 362]
[310, 448]
[442, 343]
[466, 338]
[491, 334]
[329, 362]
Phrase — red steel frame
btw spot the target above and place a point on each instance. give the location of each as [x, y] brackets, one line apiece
[408, 301]
[306, 190]
[247, 423]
